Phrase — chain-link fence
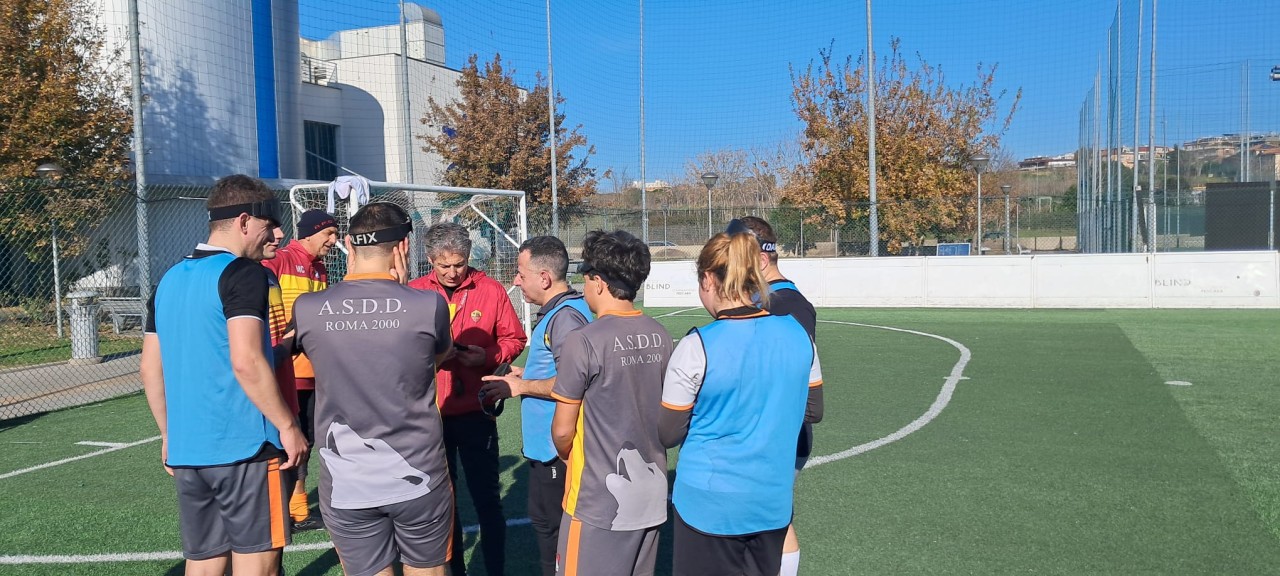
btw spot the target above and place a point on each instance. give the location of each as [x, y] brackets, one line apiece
[907, 228]
[71, 307]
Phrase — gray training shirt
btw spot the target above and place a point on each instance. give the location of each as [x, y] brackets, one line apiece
[613, 368]
[378, 431]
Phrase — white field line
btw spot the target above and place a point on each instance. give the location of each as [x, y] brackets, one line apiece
[101, 444]
[175, 554]
[80, 457]
[944, 397]
[677, 312]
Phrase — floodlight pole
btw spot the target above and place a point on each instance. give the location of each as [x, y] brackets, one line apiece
[1005, 188]
[979, 164]
[709, 180]
[51, 173]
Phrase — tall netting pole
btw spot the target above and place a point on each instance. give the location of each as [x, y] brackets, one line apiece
[551, 121]
[1151, 139]
[871, 140]
[139, 158]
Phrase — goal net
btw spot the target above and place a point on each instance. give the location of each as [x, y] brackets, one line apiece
[497, 220]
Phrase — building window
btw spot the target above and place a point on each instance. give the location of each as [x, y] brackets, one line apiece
[322, 150]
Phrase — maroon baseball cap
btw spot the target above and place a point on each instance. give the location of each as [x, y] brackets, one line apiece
[313, 221]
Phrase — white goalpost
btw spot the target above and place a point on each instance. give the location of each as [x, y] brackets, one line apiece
[497, 219]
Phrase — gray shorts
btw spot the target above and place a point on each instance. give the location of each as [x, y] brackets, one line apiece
[585, 549]
[416, 532]
[241, 508]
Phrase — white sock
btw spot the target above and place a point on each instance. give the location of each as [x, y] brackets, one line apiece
[790, 564]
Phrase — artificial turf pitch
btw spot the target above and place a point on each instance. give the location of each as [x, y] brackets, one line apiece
[1062, 450]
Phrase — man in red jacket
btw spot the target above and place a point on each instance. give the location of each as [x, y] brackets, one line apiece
[486, 332]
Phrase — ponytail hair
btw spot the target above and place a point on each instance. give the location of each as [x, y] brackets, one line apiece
[733, 260]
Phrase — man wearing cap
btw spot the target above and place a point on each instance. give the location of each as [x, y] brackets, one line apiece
[375, 343]
[227, 435]
[300, 268]
[488, 333]
[541, 271]
[785, 300]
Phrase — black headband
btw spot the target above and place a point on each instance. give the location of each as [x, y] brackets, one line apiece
[736, 226]
[266, 209]
[393, 234]
[584, 269]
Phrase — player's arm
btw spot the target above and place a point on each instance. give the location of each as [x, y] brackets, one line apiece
[152, 373]
[813, 408]
[564, 425]
[680, 389]
[575, 370]
[509, 335]
[565, 321]
[443, 335]
[243, 289]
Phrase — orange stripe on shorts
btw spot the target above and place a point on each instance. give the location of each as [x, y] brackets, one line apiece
[277, 503]
[571, 549]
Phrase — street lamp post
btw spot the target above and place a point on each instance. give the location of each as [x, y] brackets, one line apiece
[709, 180]
[979, 164]
[1005, 188]
[51, 173]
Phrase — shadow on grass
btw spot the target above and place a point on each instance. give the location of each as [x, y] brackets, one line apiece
[20, 421]
[321, 565]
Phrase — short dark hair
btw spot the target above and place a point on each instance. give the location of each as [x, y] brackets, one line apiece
[549, 253]
[763, 231]
[236, 189]
[377, 216]
[619, 258]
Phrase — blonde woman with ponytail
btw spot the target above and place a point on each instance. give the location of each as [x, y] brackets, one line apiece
[734, 397]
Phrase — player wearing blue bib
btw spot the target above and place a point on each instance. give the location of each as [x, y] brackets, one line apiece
[227, 435]
[732, 390]
[785, 299]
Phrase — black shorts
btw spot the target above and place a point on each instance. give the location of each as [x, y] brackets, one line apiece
[700, 554]
[307, 414]
[242, 508]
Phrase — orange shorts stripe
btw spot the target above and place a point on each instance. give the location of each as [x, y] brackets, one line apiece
[275, 493]
[570, 561]
[448, 551]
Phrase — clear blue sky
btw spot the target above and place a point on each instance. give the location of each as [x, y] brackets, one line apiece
[717, 73]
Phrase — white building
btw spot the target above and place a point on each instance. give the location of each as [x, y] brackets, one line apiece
[233, 88]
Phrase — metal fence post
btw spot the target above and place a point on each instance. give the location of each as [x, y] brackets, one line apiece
[57, 279]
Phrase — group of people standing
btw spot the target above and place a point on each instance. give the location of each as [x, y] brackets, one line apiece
[250, 358]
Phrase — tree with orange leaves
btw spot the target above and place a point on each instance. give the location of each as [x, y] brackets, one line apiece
[497, 136]
[926, 132]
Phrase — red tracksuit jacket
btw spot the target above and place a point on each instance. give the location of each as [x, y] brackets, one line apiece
[481, 315]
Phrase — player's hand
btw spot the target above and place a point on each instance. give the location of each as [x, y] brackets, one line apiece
[164, 454]
[473, 356]
[295, 445]
[399, 266]
[500, 387]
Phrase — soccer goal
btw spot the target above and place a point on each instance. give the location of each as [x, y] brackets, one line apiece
[497, 219]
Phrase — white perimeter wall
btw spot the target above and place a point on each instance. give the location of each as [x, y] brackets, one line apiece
[1172, 280]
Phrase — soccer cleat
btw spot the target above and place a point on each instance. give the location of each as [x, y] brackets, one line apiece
[312, 522]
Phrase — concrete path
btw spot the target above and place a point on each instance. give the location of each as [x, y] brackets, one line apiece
[45, 387]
